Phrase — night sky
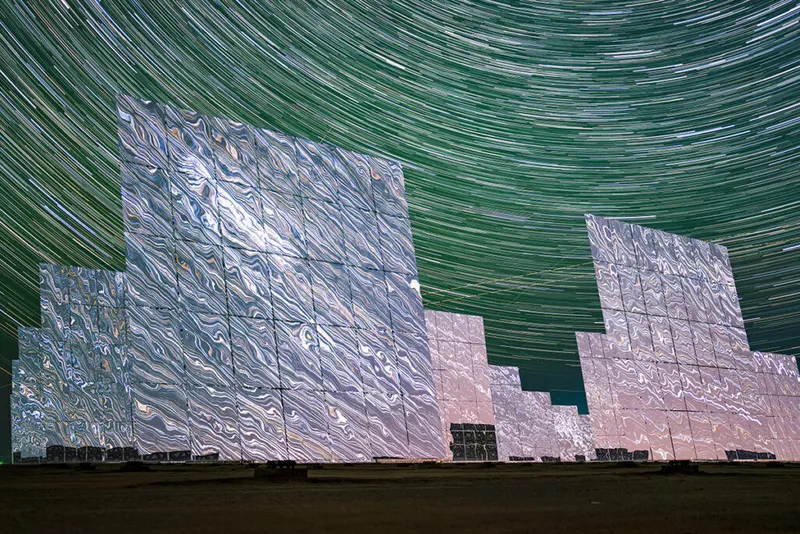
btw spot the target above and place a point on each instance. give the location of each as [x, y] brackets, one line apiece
[512, 120]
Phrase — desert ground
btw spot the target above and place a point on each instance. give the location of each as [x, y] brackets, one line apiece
[493, 498]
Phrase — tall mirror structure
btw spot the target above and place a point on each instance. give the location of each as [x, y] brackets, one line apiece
[270, 308]
[674, 374]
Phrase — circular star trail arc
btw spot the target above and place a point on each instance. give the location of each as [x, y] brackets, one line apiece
[513, 119]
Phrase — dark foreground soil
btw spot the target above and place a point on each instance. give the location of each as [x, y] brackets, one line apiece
[388, 498]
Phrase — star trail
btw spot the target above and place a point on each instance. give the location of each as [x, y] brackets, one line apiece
[512, 120]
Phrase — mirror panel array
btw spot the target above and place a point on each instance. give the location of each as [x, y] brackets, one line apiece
[270, 307]
[71, 373]
[531, 428]
[674, 374]
[461, 374]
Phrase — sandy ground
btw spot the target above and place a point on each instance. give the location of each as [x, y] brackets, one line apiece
[384, 499]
